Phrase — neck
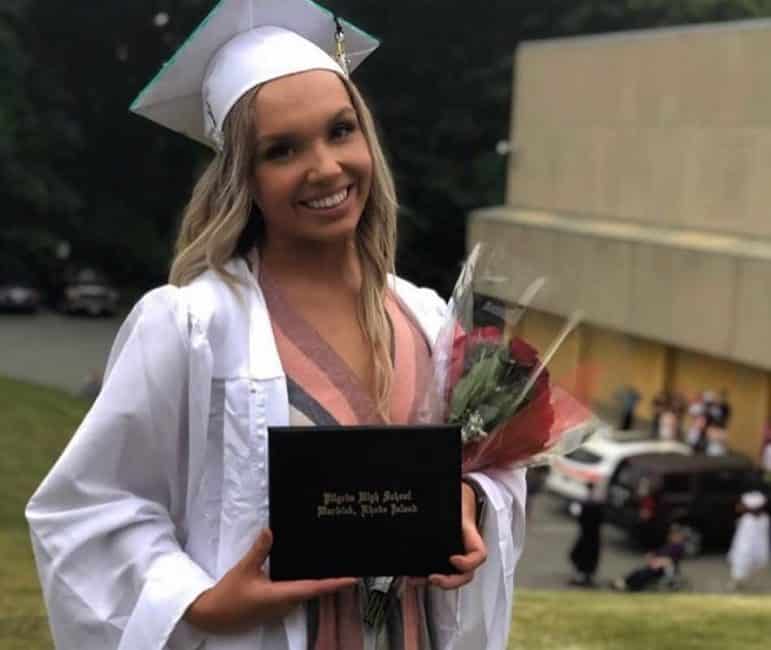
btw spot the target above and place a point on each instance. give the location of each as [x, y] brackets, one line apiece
[313, 265]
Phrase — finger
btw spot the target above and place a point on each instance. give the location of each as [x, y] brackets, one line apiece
[474, 544]
[255, 557]
[450, 582]
[469, 562]
[299, 590]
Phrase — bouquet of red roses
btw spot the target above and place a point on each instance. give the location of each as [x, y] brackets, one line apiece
[497, 388]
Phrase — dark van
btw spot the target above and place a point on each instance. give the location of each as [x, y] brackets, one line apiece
[650, 492]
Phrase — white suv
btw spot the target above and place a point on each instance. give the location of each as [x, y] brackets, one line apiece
[597, 459]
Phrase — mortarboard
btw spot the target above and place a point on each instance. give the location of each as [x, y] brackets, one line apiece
[240, 44]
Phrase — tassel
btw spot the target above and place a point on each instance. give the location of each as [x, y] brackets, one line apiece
[340, 54]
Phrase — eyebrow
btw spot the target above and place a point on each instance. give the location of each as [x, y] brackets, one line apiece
[269, 138]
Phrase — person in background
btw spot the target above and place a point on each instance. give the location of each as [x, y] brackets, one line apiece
[680, 408]
[665, 561]
[667, 426]
[722, 411]
[711, 406]
[628, 396]
[659, 405]
[765, 453]
[749, 550]
[695, 435]
[585, 554]
[668, 408]
[716, 437]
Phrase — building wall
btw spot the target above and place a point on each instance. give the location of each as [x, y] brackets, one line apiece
[665, 127]
[639, 185]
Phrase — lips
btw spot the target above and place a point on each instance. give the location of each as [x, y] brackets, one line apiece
[328, 201]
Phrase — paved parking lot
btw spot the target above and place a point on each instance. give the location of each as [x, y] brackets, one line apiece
[56, 350]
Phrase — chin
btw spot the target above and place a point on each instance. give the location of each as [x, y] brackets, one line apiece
[339, 229]
[341, 233]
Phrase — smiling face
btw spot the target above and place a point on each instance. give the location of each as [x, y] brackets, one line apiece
[313, 168]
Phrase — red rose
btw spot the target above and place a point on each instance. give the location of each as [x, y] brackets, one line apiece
[527, 356]
[523, 353]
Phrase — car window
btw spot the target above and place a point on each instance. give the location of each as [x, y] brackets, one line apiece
[626, 475]
[726, 482]
[674, 483]
[581, 455]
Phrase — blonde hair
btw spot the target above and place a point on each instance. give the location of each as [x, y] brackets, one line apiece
[222, 221]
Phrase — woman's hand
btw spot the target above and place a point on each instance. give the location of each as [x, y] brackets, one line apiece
[476, 551]
[245, 596]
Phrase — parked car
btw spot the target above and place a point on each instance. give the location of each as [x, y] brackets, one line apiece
[598, 458]
[18, 288]
[89, 291]
[649, 493]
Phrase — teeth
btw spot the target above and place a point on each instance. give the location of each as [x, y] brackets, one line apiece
[329, 201]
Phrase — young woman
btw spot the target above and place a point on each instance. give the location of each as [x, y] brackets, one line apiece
[151, 530]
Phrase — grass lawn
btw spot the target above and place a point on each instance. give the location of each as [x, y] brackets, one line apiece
[569, 620]
[37, 422]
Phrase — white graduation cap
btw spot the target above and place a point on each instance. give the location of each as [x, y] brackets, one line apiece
[753, 500]
[240, 44]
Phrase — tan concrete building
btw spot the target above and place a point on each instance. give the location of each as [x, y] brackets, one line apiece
[640, 184]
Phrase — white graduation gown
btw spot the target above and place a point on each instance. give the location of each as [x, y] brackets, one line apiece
[749, 550]
[163, 487]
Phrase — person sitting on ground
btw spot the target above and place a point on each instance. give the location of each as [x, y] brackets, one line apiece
[662, 562]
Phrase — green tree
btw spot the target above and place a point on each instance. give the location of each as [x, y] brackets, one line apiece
[30, 133]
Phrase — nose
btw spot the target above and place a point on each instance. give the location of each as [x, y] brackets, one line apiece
[324, 164]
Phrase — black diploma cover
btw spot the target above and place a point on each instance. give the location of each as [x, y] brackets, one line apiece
[364, 501]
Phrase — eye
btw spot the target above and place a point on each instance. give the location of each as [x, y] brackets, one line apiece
[343, 129]
[279, 151]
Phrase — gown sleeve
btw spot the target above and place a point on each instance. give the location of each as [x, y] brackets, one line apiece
[108, 522]
[478, 615]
